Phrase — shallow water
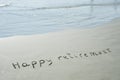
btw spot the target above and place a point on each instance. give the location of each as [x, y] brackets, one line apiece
[17, 18]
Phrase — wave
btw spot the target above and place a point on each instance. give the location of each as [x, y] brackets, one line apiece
[4, 5]
[76, 6]
[61, 7]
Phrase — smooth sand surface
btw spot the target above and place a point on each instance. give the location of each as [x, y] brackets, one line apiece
[47, 55]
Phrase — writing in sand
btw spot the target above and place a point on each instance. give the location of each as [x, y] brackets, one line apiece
[49, 62]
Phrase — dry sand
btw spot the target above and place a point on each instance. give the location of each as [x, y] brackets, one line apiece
[47, 55]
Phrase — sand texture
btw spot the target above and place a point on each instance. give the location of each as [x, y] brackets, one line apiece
[63, 55]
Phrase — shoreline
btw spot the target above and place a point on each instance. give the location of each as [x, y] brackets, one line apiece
[64, 30]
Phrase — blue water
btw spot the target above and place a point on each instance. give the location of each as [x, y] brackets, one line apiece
[33, 17]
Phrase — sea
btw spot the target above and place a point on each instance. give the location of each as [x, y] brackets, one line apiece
[29, 17]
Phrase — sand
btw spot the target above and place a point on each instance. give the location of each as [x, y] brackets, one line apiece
[74, 54]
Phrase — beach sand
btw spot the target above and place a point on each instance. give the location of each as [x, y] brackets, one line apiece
[63, 55]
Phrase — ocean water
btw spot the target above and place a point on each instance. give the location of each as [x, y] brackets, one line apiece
[26, 17]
